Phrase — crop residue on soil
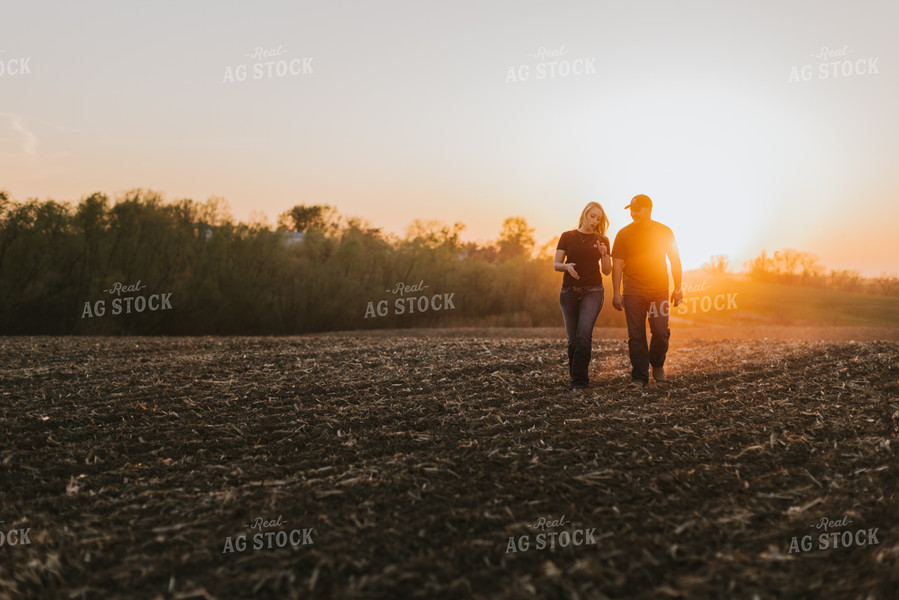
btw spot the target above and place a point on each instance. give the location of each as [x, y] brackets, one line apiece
[411, 462]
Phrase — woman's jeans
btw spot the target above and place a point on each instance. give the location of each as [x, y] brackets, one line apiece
[580, 308]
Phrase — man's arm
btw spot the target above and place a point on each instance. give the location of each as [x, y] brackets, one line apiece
[605, 261]
[619, 251]
[617, 270]
[676, 274]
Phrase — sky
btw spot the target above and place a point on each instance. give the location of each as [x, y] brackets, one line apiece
[752, 126]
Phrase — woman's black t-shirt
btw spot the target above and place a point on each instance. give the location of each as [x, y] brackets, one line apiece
[582, 249]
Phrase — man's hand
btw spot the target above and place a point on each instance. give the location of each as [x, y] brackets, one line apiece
[570, 268]
[617, 301]
[677, 297]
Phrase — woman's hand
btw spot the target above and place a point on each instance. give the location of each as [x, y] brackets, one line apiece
[570, 268]
[603, 251]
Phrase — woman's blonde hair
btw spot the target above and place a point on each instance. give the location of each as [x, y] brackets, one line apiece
[603, 222]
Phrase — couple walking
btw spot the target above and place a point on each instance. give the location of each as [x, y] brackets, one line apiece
[638, 256]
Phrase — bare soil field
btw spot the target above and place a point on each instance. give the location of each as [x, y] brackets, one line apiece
[681, 331]
[451, 464]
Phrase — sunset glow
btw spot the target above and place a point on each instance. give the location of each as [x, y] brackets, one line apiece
[402, 110]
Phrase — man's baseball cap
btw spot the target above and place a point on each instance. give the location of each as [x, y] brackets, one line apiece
[638, 202]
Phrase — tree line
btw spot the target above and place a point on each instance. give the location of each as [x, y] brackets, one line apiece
[141, 265]
[803, 268]
[315, 271]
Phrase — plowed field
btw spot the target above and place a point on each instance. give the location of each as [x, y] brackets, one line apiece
[454, 466]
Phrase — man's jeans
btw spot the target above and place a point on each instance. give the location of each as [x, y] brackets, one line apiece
[580, 308]
[636, 309]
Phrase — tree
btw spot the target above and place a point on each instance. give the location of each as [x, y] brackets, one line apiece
[812, 271]
[846, 280]
[302, 218]
[516, 238]
[90, 215]
[786, 262]
[761, 268]
[215, 212]
[547, 251]
[717, 265]
[435, 233]
[472, 251]
[886, 285]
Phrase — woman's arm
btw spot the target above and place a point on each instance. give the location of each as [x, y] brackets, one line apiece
[559, 264]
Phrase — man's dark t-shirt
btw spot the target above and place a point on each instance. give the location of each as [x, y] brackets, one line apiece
[643, 248]
[582, 249]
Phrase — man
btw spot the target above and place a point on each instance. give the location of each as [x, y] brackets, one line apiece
[639, 255]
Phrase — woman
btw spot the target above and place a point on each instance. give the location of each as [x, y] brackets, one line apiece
[578, 255]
